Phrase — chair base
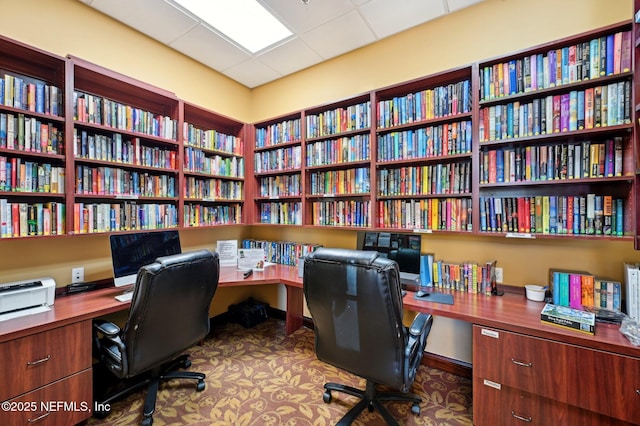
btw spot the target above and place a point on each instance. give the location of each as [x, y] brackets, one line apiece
[371, 399]
[152, 380]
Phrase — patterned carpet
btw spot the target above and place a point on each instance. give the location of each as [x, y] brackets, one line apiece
[261, 377]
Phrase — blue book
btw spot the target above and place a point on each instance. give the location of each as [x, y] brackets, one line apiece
[483, 215]
[564, 289]
[1, 91]
[610, 55]
[510, 131]
[619, 217]
[553, 215]
[540, 70]
[487, 83]
[555, 288]
[426, 269]
[492, 215]
[552, 67]
[565, 65]
[40, 98]
[513, 80]
[499, 165]
[576, 215]
[580, 105]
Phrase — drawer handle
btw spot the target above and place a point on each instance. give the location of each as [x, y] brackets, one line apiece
[524, 419]
[522, 364]
[638, 391]
[37, 419]
[40, 361]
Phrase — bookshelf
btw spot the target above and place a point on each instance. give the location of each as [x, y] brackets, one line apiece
[636, 104]
[32, 144]
[555, 131]
[338, 167]
[278, 170]
[424, 131]
[213, 189]
[125, 168]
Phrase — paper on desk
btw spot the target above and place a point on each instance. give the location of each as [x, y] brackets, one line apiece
[251, 259]
[228, 252]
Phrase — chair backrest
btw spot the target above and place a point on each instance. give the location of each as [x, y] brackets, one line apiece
[355, 301]
[169, 308]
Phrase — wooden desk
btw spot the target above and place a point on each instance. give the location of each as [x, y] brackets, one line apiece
[526, 372]
[50, 354]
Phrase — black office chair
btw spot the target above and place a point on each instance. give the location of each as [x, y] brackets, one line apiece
[355, 301]
[169, 313]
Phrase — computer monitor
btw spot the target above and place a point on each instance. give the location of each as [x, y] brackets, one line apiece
[129, 252]
[403, 248]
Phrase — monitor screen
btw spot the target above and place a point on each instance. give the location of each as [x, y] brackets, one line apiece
[403, 248]
[129, 252]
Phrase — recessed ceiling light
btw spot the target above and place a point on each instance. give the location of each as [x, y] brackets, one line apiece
[245, 22]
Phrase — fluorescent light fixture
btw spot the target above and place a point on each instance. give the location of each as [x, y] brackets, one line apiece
[246, 22]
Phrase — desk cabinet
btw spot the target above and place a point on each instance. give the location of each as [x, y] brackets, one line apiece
[52, 366]
[519, 379]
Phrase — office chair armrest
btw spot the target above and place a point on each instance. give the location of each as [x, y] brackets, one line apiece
[107, 328]
[421, 324]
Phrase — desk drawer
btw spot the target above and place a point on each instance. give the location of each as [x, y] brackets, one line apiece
[512, 407]
[42, 358]
[65, 402]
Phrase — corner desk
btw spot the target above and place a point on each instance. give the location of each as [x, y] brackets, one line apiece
[524, 372]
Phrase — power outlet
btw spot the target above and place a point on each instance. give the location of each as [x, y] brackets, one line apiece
[499, 276]
[77, 275]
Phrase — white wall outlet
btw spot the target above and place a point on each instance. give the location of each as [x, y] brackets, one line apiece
[499, 276]
[77, 275]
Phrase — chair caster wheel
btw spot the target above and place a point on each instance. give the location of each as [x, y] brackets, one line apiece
[200, 386]
[186, 364]
[326, 397]
[147, 421]
[415, 409]
[371, 407]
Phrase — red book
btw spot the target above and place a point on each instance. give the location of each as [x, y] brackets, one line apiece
[625, 52]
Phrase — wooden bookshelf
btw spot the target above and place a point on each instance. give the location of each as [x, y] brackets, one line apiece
[424, 147]
[124, 174]
[278, 155]
[213, 167]
[636, 124]
[32, 142]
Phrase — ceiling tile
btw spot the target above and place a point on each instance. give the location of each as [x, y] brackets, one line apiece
[339, 36]
[460, 4]
[252, 73]
[387, 18]
[207, 47]
[165, 24]
[290, 57]
[302, 17]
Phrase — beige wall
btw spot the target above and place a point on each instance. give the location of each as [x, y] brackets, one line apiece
[491, 28]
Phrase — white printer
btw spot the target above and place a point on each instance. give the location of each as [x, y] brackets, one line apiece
[20, 298]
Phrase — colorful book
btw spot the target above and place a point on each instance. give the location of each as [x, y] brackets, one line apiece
[570, 318]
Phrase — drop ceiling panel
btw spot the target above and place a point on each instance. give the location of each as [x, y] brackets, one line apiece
[207, 47]
[166, 24]
[252, 73]
[341, 35]
[387, 18]
[290, 57]
[302, 17]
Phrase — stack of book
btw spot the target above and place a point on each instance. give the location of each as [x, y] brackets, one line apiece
[632, 277]
[570, 318]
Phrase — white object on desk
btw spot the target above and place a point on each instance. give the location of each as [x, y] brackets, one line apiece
[20, 298]
[125, 297]
[535, 292]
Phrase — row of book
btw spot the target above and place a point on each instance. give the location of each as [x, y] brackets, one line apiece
[212, 140]
[22, 92]
[589, 214]
[441, 101]
[31, 219]
[29, 134]
[341, 150]
[196, 215]
[196, 160]
[339, 120]
[601, 56]
[346, 181]
[121, 182]
[19, 175]
[282, 252]
[440, 178]
[287, 213]
[432, 214]
[91, 218]
[212, 189]
[433, 141]
[280, 186]
[106, 112]
[591, 108]
[283, 132]
[552, 162]
[341, 213]
[115, 148]
[632, 289]
[286, 158]
[466, 277]
[579, 290]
